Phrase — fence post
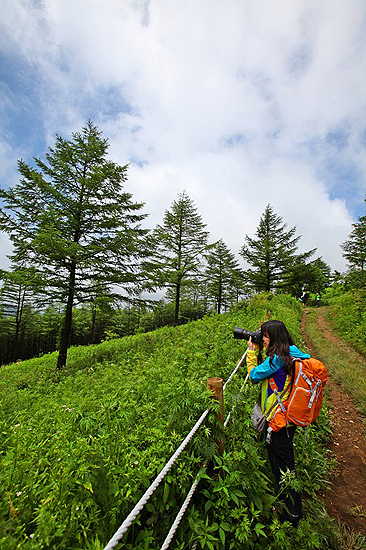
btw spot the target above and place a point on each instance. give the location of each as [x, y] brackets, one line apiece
[215, 386]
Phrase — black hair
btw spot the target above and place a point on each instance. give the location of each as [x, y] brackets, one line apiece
[279, 343]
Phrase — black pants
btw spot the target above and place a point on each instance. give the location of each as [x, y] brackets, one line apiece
[281, 456]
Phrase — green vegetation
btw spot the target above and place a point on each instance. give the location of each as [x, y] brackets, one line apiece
[349, 317]
[354, 251]
[80, 443]
[91, 324]
[346, 366]
[178, 246]
[81, 446]
[79, 248]
[75, 232]
[224, 278]
[273, 255]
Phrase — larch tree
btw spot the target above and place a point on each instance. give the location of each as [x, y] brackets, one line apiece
[354, 251]
[221, 275]
[71, 221]
[179, 244]
[18, 297]
[271, 253]
[314, 276]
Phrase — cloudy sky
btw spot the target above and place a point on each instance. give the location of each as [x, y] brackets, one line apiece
[240, 103]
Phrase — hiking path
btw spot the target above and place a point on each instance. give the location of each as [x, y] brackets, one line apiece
[346, 497]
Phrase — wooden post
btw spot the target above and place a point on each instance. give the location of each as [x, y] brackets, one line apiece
[215, 386]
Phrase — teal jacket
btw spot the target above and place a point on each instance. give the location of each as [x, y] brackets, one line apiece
[266, 370]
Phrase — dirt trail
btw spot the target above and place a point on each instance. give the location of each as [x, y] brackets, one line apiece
[346, 499]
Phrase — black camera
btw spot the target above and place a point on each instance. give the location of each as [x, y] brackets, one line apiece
[242, 334]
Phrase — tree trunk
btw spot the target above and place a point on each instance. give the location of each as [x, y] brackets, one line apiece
[66, 329]
[219, 298]
[94, 316]
[177, 300]
[18, 321]
[268, 282]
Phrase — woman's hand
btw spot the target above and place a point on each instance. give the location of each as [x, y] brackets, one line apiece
[251, 345]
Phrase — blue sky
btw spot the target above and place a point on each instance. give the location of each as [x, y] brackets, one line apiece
[240, 103]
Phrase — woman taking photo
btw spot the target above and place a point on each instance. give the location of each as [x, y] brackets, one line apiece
[278, 365]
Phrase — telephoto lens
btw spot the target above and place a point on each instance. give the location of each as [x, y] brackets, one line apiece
[242, 334]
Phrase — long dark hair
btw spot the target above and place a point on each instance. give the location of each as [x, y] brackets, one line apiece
[279, 343]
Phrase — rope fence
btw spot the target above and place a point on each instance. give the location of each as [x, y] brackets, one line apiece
[114, 541]
[180, 514]
[233, 407]
[143, 500]
[235, 370]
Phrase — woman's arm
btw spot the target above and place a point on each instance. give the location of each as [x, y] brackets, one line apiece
[252, 359]
[264, 370]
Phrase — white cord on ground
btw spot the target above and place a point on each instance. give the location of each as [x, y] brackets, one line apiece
[180, 515]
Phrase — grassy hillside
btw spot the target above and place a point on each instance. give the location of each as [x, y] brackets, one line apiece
[348, 317]
[348, 366]
[80, 448]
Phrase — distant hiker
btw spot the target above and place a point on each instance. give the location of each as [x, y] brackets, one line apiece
[317, 298]
[279, 365]
[304, 297]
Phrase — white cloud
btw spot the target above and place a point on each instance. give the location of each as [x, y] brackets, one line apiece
[6, 248]
[8, 162]
[233, 102]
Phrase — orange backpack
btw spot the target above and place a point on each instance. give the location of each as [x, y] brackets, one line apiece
[303, 404]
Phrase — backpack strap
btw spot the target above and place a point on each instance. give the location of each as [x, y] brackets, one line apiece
[279, 397]
[272, 384]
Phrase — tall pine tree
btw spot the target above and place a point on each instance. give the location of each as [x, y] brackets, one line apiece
[354, 251]
[312, 277]
[179, 244]
[272, 253]
[72, 222]
[221, 274]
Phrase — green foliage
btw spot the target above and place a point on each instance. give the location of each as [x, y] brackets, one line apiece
[225, 281]
[349, 317]
[348, 366]
[354, 251]
[18, 303]
[177, 249]
[91, 323]
[314, 277]
[80, 446]
[71, 222]
[272, 253]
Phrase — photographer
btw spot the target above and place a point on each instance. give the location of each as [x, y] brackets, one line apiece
[278, 365]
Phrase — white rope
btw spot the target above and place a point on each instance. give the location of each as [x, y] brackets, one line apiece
[145, 497]
[235, 370]
[180, 514]
[188, 498]
[233, 407]
[148, 493]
